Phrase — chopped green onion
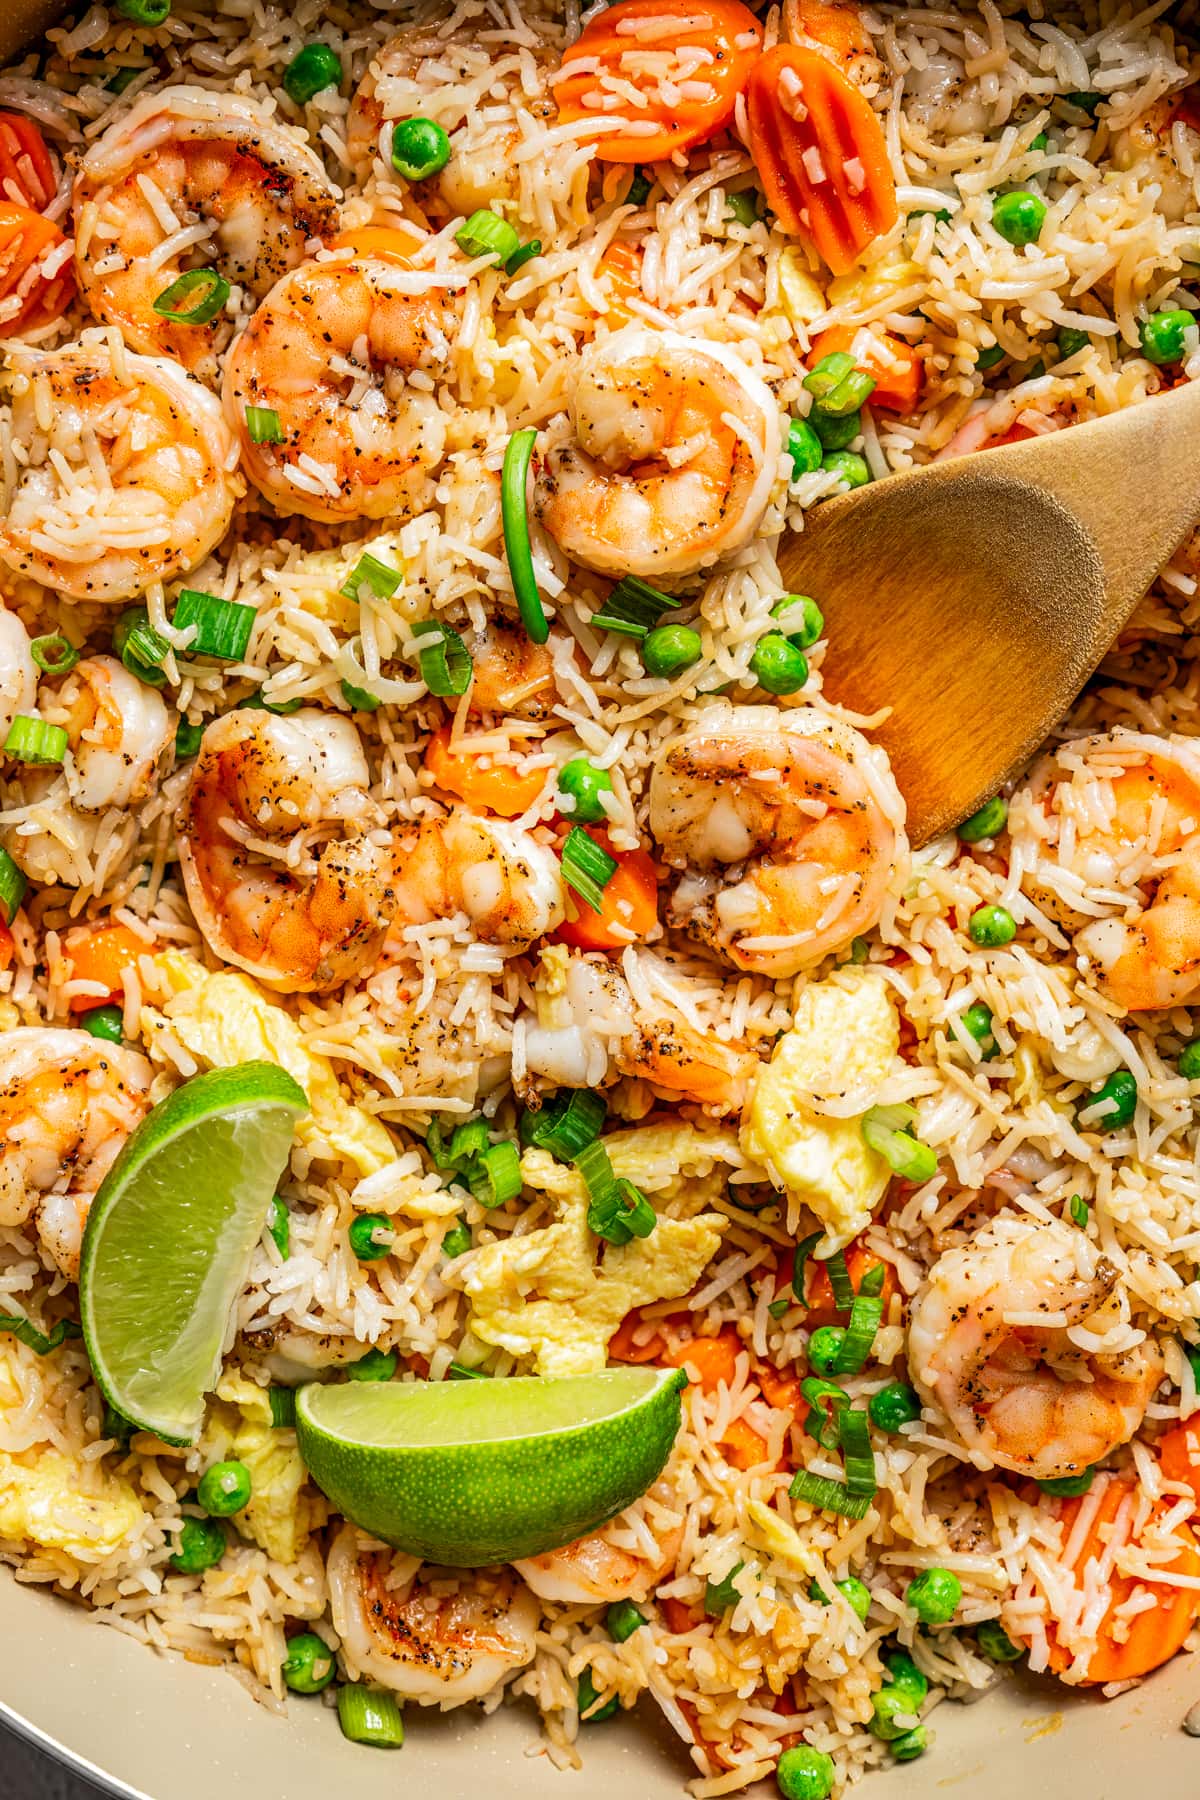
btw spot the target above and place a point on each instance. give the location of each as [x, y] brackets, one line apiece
[855, 1428]
[139, 646]
[223, 627]
[587, 868]
[520, 257]
[36, 1340]
[1080, 1211]
[457, 1240]
[800, 1256]
[777, 1308]
[123, 78]
[587, 1701]
[566, 1129]
[359, 699]
[279, 1226]
[486, 234]
[495, 1178]
[187, 740]
[54, 654]
[283, 1406]
[35, 741]
[380, 577]
[376, 1365]
[840, 389]
[719, 1596]
[989, 357]
[461, 1372]
[886, 1130]
[839, 1281]
[829, 1496]
[622, 1619]
[445, 666]
[822, 1420]
[368, 1716]
[633, 608]
[866, 1315]
[624, 1214]
[312, 69]
[144, 12]
[466, 1143]
[206, 289]
[594, 1165]
[638, 191]
[12, 886]
[742, 208]
[263, 426]
[829, 372]
[1069, 1487]
[515, 515]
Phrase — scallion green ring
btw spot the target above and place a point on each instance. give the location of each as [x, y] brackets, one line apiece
[517, 549]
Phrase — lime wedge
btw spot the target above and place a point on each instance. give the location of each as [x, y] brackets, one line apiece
[169, 1239]
[473, 1472]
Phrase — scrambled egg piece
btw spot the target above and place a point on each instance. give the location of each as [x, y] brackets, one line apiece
[546, 1296]
[224, 1019]
[49, 1498]
[283, 1512]
[333, 568]
[676, 1162]
[803, 300]
[844, 1039]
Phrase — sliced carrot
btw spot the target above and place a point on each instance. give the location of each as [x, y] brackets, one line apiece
[820, 153]
[781, 1391]
[26, 172]
[680, 1618]
[622, 263]
[1179, 1454]
[622, 1348]
[26, 240]
[1154, 1635]
[892, 364]
[714, 1359]
[395, 241]
[687, 59]
[838, 29]
[744, 1447]
[7, 947]
[481, 781]
[819, 1293]
[102, 954]
[630, 904]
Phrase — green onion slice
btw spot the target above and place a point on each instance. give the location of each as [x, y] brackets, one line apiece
[627, 1215]
[719, 1596]
[380, 577]
[461, 1372]
[263, 426]
[223, 627]
[514, 511]
[803, 1251]
[525, 254]
[12, 886]
[140, 647]
[840, 1282]
[887, 1130]
[205, 292]
[187, 740]
[446, 666]
[369, 1716]
[486, 234]
[587, 868]
[36, 1340]
[566, 1128]
[35, 741]
[865, 1317]
[1080, 1211]
[855, 1430]
[829, 1496]
[279, 1225]
[633, 608]
[466, 1142]
[594, 1165]
[822, 1420]
[54, 654]
[494, 1178]
[283, 1406]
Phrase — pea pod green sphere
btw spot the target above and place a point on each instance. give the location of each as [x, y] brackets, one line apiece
[824, 1346]
[803, 1773]
[224, 1489]
[992, 926]
[670, 649]
[420, 148]
[778, 665]
[202, 1544]
[934, 1595]
[309, 1664]
[848, 466]
[1019, 217]
[1115, 1100]
[584, 783]
[362, 1234]
[1164, 336]
[1189, 1061]
[988, 822]
[894, 1406]
[995, 1642]
[800, 620]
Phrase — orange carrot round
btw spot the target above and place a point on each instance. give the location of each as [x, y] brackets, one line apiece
[7, 947]
[395, 241]
[26, 239]
[483, 783]
[622, 1347]
[820, 153]
[714, 1359]
[688, 59]
[102, 954]
[890, 362]
[630, 907]
[26, 172]
[819, 1292]
[742, 1446]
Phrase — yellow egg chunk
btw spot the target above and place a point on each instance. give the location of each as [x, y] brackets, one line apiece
[283, 1510]
[223, 1020]
[843, 1042]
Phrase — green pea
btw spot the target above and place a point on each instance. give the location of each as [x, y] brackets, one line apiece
[778, 665]
[376, 1365]
[224, 1489]
[588, 1694]
[995, 1642]
[584, 783]
[803, 1773]
[800, 620]
[893, 1406]
[1040, 142]
[311, 69]
[309, 1664]
[1118, 1096]
[1162, 335]
[849, 467]
[991, 926]
[824, 1346]
[420, 148]
[890, 1704]
[187, 740]
[742, 208]
[906, 1675]
[910, 1744]
[835, 430]
[1019, 216]
[1069, 1487]
[1071, 341]
[363, 1240]
[934, 1595]
[457, 1240]
[804, 447]
[622, 1619]
[988, 822]
[670, 649]
[978, 1021]
[104, 1022]
[202, 1542]
[857, 1593]
[1189, 1061]
[1086, 100]
[987, 359]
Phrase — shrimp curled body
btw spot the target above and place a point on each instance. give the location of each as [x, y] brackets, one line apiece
[503, 879]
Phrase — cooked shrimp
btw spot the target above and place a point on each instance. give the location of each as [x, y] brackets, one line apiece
[511, 675]
[129, 472]
[118, 731]
[285, 866]
[598, 1022]
[329, 353]
[944, 99]
[18, 671]
[505, 882]
[669, 460]
[789, 828]
[1162, 146]
[438, 1647]
[1110, 840]
[67, 1104]
[622, 1561]
[1009, 1338]
[188, 179]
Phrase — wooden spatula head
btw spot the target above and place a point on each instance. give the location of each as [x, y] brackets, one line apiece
[975, 597]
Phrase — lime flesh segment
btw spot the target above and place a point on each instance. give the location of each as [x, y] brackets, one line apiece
[169, 1239]
[474, 1472]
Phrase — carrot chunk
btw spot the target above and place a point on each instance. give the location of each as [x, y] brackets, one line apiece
[820, 153]
[890, 362]
[29, 295]
[484, 784]
[26, 172]
[630, 904]
[714, 1359]
[102, 954]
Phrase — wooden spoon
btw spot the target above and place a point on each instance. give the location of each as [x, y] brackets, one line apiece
[975, 597]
